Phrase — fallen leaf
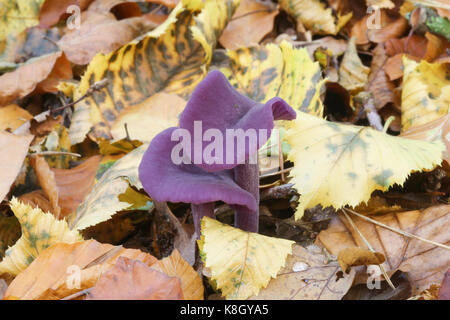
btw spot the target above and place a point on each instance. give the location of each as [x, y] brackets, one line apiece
[81, 45]
[314, 15]
[425, 94]
[134, 280]
[444, 291]
[9, 233]
[64, 269]
[19, 8]
[40, 73]
[241, 263]
[308, 275]
[52, 10]
[36, 199]
[356, 256]
[11, 161]
[103, 201]
[350, 157]
[12, 116]
[353, 75]
[251, 22]
[378, 84]
[277, 70]
[144, 121]
[176, 266]
[39, 231]
[424, 263]
[46, 179]
[380, 4]
[151, 64]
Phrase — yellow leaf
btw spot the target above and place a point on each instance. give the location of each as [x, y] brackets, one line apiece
[314, 15]
[338, 165]
[103, 201]
[173, 58]
[39, 231]
[12, 116]
[263, 72]
[17, 15]
[425, 94]
[353, 75]
[240, 262]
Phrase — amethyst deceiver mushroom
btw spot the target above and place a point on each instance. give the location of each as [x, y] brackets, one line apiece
[215, 165]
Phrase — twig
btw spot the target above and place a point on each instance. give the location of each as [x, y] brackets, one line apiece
[95, 87]
[54, 153]
[403, 233]
[250, 13]
[275, 173]
[370, 248]
[78, 294]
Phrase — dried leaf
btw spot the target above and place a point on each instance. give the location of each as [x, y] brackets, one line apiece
[353, 75]
[252, 21]
[356, 256]
[10, 10]
[176, 266]
[134, 280]
[12, 116]
[308, 275]
[11, 161]
[424, 263]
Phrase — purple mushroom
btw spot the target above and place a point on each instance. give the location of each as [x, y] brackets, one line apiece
[216, 160]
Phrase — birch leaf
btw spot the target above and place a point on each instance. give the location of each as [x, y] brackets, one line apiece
[103, 201]
[338, 165]
[173, 57]
[17, 15]
[39, 231]
[263, 72]
[425, 94]
[240, 262]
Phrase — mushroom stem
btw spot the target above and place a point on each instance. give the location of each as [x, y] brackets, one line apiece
[199, 211]
[247, 177]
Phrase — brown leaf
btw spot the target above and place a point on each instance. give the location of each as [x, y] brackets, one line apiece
[41, 73]
[394, 66]
[176, 266]
[425, 264]
[378, 84]
[54, 273]
[14, 150]
[46, 179]
[252, 21]
[52, 11]
[134, 280]
[444, 291]
[308, 275]
[356, 256]
[81, 45]
[36, 199]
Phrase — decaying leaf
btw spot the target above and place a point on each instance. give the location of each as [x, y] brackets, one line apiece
[151, 64]
[176, 266]
[356, 256]
[103, 201]
[353, 75]
[252, 21]
[18, 15]
[338, 165]
[133, 280]
[241, 263]
[266, 71]
[53, 275]
[309, 274]
[12, 160]
[314, 15]
[39, 231]
[424, 263]
[425, 94]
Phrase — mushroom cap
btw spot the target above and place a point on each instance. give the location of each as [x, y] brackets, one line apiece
[218, 105]
[164, 180]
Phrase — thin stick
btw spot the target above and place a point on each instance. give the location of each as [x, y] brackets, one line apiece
[95, 87]
[54, 153]
[370, 248]
[78, 294]
[403, 233]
